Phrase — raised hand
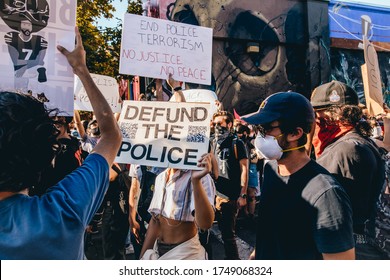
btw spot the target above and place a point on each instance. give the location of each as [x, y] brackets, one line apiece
[76, 58]
[205, 163]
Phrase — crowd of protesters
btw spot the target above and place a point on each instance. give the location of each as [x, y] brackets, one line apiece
[316, 170]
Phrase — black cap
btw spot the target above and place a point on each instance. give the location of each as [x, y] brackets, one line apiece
[333, 93]
[287, 106]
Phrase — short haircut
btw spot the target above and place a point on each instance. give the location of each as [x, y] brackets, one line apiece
[241, 128]
[27, 140]
[228, 116]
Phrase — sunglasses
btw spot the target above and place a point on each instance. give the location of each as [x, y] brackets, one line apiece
[264, 129]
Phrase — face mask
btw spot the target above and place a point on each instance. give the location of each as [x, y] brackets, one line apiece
[269, 147]
[95, 131]
[326, 133]
[243, 138]
[220, 130]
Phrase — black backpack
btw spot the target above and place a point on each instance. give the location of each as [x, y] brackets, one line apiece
[118, 191]
[146, 195]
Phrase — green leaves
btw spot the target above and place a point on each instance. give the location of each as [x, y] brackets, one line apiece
[102, 44]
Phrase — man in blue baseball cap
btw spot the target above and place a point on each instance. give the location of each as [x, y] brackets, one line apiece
[304, 213]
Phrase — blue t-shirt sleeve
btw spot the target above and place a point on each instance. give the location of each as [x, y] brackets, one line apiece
[82, 191]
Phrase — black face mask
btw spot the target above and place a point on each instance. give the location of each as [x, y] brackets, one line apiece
[244, 138]
[220, 130]
[95, 131]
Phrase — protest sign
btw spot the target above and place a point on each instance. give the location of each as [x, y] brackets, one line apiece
[201, 95]
[156, 48]
[29, 60]
[371, 73]
[107, 85]
[164, 134]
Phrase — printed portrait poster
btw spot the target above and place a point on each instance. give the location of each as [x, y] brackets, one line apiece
[156, 48]
[164, 134]
[107, 85]
[30, 63]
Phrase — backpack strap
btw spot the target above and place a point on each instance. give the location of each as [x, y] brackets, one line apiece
[116, 168]
[234, 142]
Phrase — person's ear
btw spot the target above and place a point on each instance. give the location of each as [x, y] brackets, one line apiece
[295, 135]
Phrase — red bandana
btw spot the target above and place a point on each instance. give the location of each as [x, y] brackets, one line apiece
[326, 134]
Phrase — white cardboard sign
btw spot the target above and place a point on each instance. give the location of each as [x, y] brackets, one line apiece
[164, 134]
[107, 85]
[156, 48]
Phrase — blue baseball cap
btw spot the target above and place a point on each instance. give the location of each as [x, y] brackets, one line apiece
[290, 107]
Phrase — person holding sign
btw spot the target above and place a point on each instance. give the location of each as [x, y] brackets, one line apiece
[52, 226]
[343, 146]
[182, 202]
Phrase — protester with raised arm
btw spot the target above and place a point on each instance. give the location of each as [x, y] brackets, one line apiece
[52, 226]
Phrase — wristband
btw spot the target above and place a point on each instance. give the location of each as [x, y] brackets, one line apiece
[177, 88]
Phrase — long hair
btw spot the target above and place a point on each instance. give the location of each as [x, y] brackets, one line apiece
[27, 140]
[351, 115]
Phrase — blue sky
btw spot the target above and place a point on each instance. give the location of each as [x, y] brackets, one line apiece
[122, 6]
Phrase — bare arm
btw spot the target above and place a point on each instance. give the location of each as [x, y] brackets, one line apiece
[346, 255]
[204, 213]
[179, 96]
[386, 133]
[159, 90]
[79, 125]
[111, 137]
[151, 236]
[214, 167]
[133, 195]
[244, 163]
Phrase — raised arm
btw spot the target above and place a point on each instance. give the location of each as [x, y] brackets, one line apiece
[178, 93]
[79, 125]
[204, 212]
[111, 137]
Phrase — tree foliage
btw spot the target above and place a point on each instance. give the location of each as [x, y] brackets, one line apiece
[102, 45]
[135, 7]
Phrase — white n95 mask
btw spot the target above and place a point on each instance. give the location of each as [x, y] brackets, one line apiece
[269, 147]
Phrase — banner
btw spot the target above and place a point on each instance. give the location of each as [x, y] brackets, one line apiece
[371, 74]
[156, 48]
[29, 60]
[107, 85]
[164, 134]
